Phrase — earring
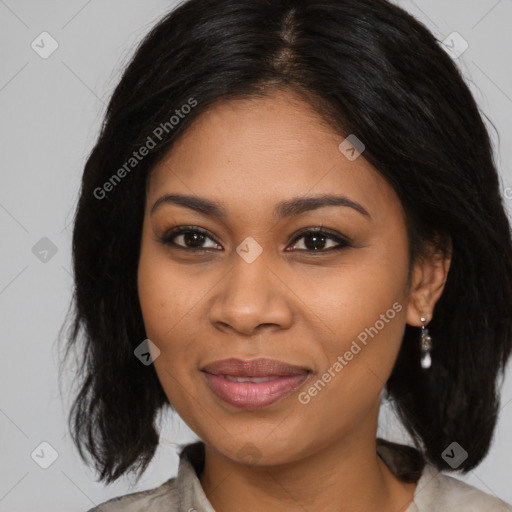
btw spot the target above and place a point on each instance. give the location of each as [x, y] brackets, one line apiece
[426, 345]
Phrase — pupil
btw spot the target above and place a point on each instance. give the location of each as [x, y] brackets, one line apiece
[193, 238]
[314, 239]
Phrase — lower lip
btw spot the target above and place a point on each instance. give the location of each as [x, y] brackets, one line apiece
[254, 395]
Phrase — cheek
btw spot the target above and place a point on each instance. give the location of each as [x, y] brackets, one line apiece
[165, 301]
[364, 306]
[172, 303]
[166, 293]
[358, 359]
[354, 296]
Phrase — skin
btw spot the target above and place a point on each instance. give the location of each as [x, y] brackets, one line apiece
[301, 307]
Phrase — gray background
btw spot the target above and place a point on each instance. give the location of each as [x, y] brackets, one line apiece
[51, 110]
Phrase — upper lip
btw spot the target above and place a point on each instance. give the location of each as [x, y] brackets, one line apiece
[262, 367]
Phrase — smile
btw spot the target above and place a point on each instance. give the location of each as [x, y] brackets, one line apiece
[253, 392]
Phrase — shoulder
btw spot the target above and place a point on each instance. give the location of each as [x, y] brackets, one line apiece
[178, 494]
[435, 491]
[441, 492]
[160, 499]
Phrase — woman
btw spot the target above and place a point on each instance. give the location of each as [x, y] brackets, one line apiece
[291, 209]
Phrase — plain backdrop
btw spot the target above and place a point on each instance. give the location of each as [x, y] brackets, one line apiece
[51, 110]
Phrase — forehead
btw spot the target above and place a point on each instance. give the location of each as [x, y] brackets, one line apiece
[260, 150]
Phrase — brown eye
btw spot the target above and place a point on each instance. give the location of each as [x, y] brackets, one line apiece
[188, 237]
[319, 240]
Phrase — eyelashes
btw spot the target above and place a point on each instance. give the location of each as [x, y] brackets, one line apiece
[169, 237]
[322, 235]
[315, 240]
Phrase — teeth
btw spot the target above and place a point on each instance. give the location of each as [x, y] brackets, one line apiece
[250, 379]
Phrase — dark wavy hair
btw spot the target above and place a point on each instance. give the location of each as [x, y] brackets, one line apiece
[368, 68]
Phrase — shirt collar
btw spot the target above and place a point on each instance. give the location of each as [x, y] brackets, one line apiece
[405, 462]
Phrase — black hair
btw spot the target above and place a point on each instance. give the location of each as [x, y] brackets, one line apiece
[369, 69]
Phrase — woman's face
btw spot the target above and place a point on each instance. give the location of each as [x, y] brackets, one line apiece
[252, 284]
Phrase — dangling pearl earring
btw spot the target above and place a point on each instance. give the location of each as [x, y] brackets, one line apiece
[426, 345]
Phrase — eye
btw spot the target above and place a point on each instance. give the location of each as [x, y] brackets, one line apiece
[315, 240]
[320, 240]
[188, 238]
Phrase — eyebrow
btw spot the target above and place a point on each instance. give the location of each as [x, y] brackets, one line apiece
[284, 209]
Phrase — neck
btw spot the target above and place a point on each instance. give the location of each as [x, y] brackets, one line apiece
[345, 476]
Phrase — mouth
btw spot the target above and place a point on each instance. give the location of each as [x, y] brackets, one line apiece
[253, 384]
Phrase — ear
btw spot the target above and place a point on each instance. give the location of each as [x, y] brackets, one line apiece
[428, 278]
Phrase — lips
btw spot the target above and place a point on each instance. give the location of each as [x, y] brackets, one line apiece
[255, 368]
[253, 384]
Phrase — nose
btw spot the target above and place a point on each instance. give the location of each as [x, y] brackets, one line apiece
[251, 295]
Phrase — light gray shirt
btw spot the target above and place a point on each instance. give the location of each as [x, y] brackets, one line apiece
[435, 491]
